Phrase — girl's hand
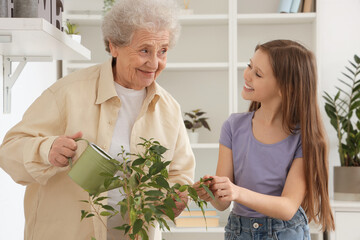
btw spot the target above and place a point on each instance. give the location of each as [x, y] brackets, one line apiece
[201, 191]
[224, 189]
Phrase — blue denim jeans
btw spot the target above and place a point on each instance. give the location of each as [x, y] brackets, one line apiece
[245, 228]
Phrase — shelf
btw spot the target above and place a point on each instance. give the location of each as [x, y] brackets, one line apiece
[276, 18]
[202, 19]
[242, 65]
[196, 230]
[219, 66]
[197, 66]
[38, 37]
[94, 18]
[33, 40]
[205, 145]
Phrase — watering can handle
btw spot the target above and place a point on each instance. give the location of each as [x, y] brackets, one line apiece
[69, 158]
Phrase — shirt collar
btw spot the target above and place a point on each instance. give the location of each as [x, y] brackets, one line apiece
[106, 87]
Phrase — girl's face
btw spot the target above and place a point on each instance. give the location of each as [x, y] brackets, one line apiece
[260, 82]
[139, 63]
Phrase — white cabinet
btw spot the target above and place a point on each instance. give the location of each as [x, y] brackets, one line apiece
[205, 68]
[347, 218]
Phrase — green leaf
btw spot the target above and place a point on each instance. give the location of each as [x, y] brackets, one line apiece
[156, 168]
[138, 161]
[137, 225]
[105, 213]
[154, 193]
[170, 213]
[143, 234]
[158, 149]
[83, 214]
[147, 214]
[170, 203]
[92, 238]
[208, 191]
[108, 207]
[133, 215]
[162, 182]
[183, 188]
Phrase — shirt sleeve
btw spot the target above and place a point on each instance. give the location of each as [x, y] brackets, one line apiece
[24, 151]
[298, 150]
[226, 134]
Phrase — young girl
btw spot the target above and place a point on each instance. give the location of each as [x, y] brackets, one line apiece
[273, 159]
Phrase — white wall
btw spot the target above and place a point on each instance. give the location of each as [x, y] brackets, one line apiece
[339, 40]
[34, 79]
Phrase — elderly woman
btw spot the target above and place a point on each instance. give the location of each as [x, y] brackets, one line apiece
[112, 105]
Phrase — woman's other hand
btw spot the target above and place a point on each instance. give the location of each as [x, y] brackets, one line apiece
[62, 148]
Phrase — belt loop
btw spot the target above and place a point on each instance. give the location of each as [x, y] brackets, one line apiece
[269, 223]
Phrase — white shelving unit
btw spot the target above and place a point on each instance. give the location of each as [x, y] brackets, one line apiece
[205, 68]
[32, 39]
[347, 216]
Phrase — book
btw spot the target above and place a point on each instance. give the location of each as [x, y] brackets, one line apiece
[197, 221]
[295, 6]
[198, 213]
[309, 6]
[284, 6]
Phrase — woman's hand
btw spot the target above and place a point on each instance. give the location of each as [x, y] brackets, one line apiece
[62, 148]
[224, 189]
[201, 191]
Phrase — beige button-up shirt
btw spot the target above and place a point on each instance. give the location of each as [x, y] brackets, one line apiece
[83, 101]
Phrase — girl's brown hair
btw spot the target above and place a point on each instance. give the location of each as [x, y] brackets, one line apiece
[294, 68]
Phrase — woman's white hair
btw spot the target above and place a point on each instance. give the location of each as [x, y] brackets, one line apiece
[127, 16]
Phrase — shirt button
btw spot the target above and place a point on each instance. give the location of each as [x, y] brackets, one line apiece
[256, 225]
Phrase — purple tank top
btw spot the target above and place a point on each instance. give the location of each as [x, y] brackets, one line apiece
[259, 167]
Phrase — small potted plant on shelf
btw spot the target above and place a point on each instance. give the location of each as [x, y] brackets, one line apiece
[344, 112]
[197, 120]
[108, 4]
[148, 196]
[186, 10]
[72, 32]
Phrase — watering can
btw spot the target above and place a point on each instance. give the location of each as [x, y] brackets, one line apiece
[86, 171]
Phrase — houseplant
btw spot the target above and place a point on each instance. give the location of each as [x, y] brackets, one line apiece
[149, 197]
[71, 30]
[186, 10]
[344, 112]
[197, 120]
[108, 4]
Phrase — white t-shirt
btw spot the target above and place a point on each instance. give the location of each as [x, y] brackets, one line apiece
[131, 103]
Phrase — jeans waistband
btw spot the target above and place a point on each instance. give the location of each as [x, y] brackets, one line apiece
[267, 224]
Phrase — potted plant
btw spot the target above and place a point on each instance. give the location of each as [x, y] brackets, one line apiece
[186, 10]
[108, 4]
[344, 112]
[197, 120]
[72, 32]
[149, 197]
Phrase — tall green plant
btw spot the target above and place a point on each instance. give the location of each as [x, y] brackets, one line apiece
[344, 113]
[148, 196]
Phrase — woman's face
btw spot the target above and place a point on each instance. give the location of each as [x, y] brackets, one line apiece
[260, 82]
[140, 63]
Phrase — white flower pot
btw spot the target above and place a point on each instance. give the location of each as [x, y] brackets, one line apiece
[193, 137]
[186, 11]
[76, 37]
